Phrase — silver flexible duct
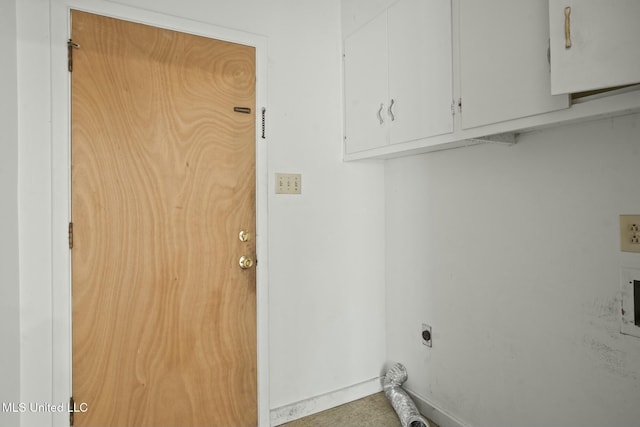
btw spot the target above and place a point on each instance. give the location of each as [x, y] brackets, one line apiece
[400, 400]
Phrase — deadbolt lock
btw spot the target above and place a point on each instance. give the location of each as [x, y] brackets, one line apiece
[244, 236]
[245, 262]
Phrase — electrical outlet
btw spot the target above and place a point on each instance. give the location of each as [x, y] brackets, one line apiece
[630, 233]
[426, 335]
[288, 183]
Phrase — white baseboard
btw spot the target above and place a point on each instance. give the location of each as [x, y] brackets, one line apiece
[325, 401]
[434, 413]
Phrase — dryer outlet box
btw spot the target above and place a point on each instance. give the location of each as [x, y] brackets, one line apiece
[630, 298]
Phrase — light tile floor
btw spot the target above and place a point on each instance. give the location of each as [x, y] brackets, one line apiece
[371, 411]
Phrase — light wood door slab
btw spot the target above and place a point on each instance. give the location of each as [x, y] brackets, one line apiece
[163, 180]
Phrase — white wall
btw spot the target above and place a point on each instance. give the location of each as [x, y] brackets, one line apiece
[34, 207]
[9, 274]
[512, 255]
[326, 253]
[356, 13]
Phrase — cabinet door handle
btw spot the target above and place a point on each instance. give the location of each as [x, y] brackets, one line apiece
[393, 117]
[567, 27]
[380, 114]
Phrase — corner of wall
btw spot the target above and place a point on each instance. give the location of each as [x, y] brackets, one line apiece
[9, 273]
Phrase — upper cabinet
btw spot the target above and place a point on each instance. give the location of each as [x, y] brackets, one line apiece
[594, 44]
[429, 75]
[420, 65]
[504, 66]
[366, 90]
[398, 76]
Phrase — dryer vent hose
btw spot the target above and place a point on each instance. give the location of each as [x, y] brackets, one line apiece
[400, 400]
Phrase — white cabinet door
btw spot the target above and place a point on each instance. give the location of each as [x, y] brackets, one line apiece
[398, 76]
[504, 68]
[420, 69]
[594, 44]
[366, 90]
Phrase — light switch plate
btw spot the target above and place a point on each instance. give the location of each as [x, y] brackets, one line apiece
[630, 233]
[288, 183]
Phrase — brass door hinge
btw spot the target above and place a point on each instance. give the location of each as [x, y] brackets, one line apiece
[72, 406]
[70, 46]
[70, 235]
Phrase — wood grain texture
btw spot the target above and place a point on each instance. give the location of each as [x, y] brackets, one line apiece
[163, 179]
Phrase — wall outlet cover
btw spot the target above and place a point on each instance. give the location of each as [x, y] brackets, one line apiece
[426, 335]
[630, 233]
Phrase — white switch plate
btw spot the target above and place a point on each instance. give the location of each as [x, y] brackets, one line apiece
[288, 183]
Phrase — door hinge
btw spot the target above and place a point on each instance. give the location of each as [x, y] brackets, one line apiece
[70, 235]
[70, 46]
[72, 406]
[456, 105]
[264, 112]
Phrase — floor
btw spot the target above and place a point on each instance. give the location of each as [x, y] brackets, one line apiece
[372, 411]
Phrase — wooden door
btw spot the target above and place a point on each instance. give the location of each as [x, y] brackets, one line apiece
[163, 181]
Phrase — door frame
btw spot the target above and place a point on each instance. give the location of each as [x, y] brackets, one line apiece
[60, 13]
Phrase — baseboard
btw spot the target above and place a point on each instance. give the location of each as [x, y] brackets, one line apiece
[434, 413]
[320, 403]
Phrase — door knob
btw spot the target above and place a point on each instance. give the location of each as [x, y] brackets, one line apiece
[245, 262]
